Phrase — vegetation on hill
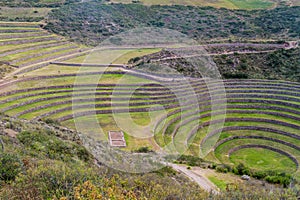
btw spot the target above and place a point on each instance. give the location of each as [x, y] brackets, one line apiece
[50, 163]
[278, 65]
[97, 22]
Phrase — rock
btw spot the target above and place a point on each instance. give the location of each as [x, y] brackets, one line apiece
[245, 177]
[11, 133]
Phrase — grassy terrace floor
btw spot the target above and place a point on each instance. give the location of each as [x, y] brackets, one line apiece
[263, 159]
[257, 163]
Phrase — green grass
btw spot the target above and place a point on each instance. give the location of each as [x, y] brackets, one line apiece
[28, 38]
[31, 52]
[19, 34]
[170, 129]
[263, 159]
[136, 119]
[12, 23]
[112, 56]
[12, 47]
[105, 78]
[254, 116]
[181, 136]
[109, 122]
[87, 95]
[261, 124]
[226, 134]
[44, 56]
[142, 119]
[219, 183]
[58, 69]
[222, 154]
[134, 53]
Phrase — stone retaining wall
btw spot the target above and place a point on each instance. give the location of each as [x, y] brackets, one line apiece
[257, 137]
[48, 58]
[30, 48]
[17, 30]
[25, 35]
[16, 42]
[41, 54]
[270, 121]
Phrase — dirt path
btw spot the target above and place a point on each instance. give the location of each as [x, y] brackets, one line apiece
[202, 181]
[216, 45]
[213, 54]
[47, 62]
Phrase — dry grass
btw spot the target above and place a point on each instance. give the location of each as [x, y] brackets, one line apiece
[12, 12]
[230, 4]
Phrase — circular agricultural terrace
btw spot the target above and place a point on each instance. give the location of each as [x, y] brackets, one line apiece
[261, 129]
[261, 116]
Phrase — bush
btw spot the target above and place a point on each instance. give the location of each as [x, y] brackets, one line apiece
[278, 178]
[285, 181]
[240, 169]
[10, 166]
[259, 174]
[223, 168]
[190, 160]
[269, 176]
[51, 121]
[143, 150]
[214, 166]
[235, 75]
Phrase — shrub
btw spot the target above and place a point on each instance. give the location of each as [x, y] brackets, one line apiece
[241, 168]
[222, 168]
[235, 75]
[243, 66]
[51, 121]
[278, 178]
[10, 166]
[190, 160]
[269, 176]
[143, 150]
[259, 174]
[213, 166]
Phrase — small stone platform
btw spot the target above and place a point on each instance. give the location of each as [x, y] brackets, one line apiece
[116, 139]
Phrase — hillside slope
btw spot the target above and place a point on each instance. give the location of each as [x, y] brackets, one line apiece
[97, 22]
